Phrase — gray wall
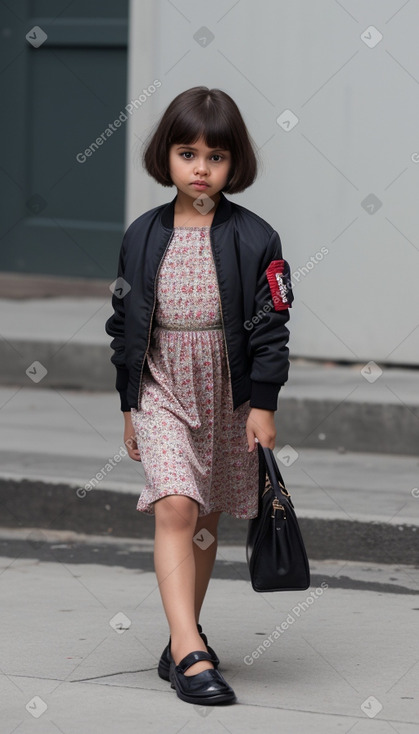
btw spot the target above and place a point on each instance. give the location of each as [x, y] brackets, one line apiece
[343, 178]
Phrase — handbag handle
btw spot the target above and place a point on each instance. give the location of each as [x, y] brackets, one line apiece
[273, 471]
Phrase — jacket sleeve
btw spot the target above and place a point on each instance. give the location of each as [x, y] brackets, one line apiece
[115, 327]
[268, 339]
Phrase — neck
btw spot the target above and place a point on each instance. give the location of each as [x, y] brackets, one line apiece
[223, 212]
[184, 205]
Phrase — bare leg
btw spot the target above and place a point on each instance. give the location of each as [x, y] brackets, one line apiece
[174, 562]
[204, 559]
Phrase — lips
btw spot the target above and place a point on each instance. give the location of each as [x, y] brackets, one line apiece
[199, 183]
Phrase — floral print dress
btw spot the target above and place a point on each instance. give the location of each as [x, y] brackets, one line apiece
[190, 440]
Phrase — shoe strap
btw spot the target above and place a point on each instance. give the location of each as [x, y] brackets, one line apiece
[202, 634]
[192, 658]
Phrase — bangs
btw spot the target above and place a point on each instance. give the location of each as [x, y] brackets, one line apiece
[204, 121]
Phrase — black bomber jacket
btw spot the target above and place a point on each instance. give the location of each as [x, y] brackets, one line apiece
[255, 295]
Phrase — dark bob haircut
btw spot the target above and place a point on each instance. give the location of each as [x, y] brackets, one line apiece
[213, 115]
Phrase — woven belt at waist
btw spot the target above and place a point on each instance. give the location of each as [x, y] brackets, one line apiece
[187, 328]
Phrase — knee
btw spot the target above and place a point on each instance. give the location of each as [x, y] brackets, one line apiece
[176, 512]
[209, 522]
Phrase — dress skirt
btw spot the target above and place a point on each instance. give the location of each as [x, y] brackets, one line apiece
[190, 440]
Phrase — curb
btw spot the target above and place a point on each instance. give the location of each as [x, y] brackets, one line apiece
[319, 407]
[382, 428]
[109, 513]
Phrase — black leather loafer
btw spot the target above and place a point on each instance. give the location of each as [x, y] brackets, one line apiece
[207, 688]
[164, 663]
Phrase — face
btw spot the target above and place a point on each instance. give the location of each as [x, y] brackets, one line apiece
[195, 168]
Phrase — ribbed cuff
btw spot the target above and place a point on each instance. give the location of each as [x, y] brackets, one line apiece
[124, 404]
[264, 395]
[121, 385]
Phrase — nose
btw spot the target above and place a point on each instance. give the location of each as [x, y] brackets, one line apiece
[201, 166]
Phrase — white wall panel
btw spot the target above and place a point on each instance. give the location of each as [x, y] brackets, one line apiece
[357, 135]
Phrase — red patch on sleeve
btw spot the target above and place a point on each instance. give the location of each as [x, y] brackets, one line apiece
[279, 285]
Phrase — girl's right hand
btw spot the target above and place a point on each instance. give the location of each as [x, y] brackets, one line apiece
[130, 440]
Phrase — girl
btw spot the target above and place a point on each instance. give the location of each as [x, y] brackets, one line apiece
[199, 332]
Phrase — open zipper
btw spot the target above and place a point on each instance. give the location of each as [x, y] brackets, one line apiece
[222, 317]
[151, 320]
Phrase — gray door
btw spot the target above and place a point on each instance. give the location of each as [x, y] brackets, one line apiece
[63, 89]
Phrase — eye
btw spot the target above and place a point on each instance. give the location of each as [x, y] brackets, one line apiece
[188, 153]
[217, 155]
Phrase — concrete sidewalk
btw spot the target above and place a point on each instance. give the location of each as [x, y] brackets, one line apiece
[68, 436]
[82, 634]
[83, 621]
[323, 405]
[351, 505]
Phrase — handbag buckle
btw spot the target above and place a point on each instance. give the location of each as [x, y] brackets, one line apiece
[276, 505]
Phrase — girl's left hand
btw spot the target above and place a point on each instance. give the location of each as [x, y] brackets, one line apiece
[261, 425]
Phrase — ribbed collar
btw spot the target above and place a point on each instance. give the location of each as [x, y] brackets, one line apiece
[222, 212]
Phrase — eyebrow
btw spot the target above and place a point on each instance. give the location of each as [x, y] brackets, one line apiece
[190, 147]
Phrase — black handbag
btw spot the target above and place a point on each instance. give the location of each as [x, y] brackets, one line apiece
[275, 550]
